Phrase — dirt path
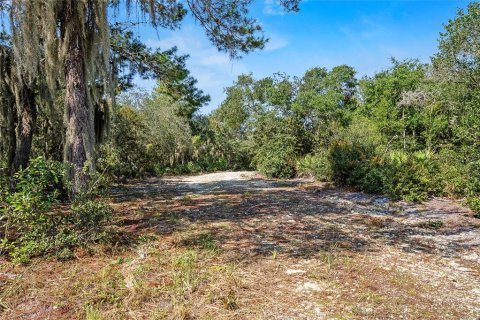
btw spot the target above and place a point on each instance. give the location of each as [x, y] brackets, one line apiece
[233, 245]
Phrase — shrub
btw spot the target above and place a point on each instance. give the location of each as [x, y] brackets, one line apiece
[474, 204]
[316, 165]
[32, 221]
[410, 176]
[473, 178]
[355, 164]
[401, 175]
[276, 158]
[374, 177]
[451, 177]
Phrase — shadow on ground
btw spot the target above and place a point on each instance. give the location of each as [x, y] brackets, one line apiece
[249, 216]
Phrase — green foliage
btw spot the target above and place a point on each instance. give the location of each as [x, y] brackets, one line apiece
[276, 158]
[347, 160]
[432, 224]
[451, 178]
[474, 204]
[410, 176]
[37, 189]
[401, 175]
[147, 140]
[383, 95]
[35, 224]
[125, 155]
[473, 177]
[316, 165]
[409, 131]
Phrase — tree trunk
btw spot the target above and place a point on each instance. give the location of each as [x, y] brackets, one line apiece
[7, 129]
[26, 120]
[7, 110]
[79, 139]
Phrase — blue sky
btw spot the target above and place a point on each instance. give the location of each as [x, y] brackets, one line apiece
[325, 33]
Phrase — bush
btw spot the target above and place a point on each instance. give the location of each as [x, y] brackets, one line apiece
[401, 175]
[450, 178]
[34, 224]
[316, 165]
[473, 178]
[355, 164]
[276, 158]
[474, 204]
[410, 176]
[375, 176]
[346, 160]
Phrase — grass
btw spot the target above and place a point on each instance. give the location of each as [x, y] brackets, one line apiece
[203, 240]
[219, 268]
[432, 224]
[169, 216]
[91, 313]
[187, 281]
[185, 277]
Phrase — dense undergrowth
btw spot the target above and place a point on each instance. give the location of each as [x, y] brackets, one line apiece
[37, 217]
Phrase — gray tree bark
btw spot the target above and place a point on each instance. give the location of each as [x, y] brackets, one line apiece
[79, 139]
[25, 126]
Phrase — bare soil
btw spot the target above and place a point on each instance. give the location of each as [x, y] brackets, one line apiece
[234, 245]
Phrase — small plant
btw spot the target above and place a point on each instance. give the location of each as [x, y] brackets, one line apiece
[432, 224]
[91, 313]
[230, 300]
[203, 240]
[247, 194]
[185, 278]
[474, 204]
[145, 238]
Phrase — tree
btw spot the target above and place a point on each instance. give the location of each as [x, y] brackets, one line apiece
[75, 35]
[131, 57]
[7, 103]
[19, 111]
[382, 95]
[324, 101]
[456, 70]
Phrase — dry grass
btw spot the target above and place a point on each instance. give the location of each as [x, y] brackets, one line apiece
[283, 252]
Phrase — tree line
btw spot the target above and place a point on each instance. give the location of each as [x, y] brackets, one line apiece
[63, 62]
[411, 130]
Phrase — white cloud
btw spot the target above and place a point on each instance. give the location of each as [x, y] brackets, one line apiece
[213, 69]
[273, 7]
[275, 43]
[216, 59]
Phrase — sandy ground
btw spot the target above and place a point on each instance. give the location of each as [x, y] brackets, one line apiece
[297, 249]
[434, 245]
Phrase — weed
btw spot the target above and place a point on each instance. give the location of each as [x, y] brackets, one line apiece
[230, 300]
[145, 238]
[203, 240]
[91, 313]
[107, 287]
[474, 204]
[432, 224]
[186, 277]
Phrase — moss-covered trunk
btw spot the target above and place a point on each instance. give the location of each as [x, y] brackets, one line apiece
[79, 139]
[26, 120]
